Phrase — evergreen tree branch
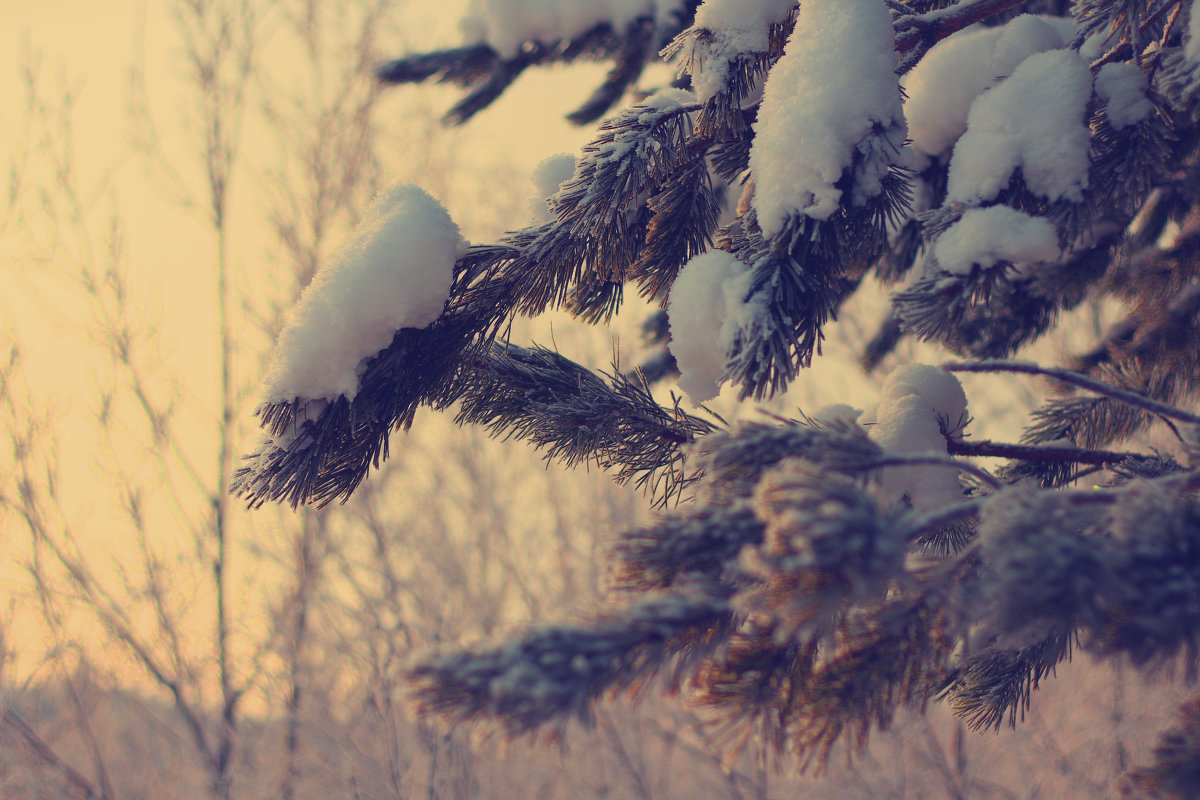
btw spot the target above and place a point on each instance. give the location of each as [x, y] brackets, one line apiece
[575, 415]
[502, 74]
[628, 63]
[1082, 381]
[460, 66]
[697, 547]
[997, 686]
[1095, 421]
[937, 460]
[734, 461]
[1033, 452]
[933, 521]
[554, 673]
[486, 74]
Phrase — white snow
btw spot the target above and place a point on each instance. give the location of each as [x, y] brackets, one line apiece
[836, 413]
[1122, 87]
[985, 236]
[957, 70]
[734, 28]
[1022, 37]
[813, 117]
[665, 101]
[705, 309]
[1035, 121]
[938, 388]
[507, 25]
[550, 174]
[394, 272]
[918, 400]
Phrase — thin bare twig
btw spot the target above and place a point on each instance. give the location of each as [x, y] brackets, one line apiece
[1076, 379]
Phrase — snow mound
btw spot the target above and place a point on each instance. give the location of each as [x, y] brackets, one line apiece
[813, 118]
[987, 236]
[942, 87]
[918, 402]
[394, 272]
[835, 414]
[1122, 87]
[705, 309]
[1035, 121]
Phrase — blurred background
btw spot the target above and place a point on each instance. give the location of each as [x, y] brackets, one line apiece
[173, 174]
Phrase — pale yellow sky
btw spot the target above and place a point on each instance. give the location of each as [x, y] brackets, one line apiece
[89, 48]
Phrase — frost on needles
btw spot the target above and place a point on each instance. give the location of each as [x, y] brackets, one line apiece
[992, 164]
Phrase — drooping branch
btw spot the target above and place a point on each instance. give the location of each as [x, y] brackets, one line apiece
[575, 415]
[554, 673]
[487, 74]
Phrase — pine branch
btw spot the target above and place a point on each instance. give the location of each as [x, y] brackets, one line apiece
[575, 415]
[460, 66]
[483, 93]
[1148, 334]
[932, 459]
[1130, 25]
[636, 49]
[893, 658]
[1082, 381]
[486, 74]
[753, 687]
[996, 687]
[1044, 453]
[554, 673]
[692, 548]
[684, 214]
[991, 313]
[318, 452]
[734, 461]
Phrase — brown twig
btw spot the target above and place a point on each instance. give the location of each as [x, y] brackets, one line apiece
[1075, 379]
[1034, 452]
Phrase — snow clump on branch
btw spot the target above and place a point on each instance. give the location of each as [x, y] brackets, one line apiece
[921, 406]
[394, 272]
[1123, 89]
[986, 236]
[814, 117]
[706, 309]
[1036, 121]
[732, 29]
[957, 70]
